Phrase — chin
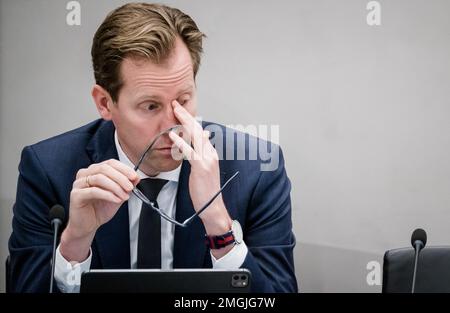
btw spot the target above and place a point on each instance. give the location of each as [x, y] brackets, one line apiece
[169, 165]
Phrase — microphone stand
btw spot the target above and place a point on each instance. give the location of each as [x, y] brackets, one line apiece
[55, 223]
[418, 246]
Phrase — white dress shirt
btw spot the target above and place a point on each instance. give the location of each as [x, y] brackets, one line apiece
[67, 274]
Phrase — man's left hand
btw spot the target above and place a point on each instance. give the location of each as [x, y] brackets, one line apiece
[204, 180]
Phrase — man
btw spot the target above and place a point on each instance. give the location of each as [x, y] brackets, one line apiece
[145, 59]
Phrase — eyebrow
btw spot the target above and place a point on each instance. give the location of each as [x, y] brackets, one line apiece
[145, 97]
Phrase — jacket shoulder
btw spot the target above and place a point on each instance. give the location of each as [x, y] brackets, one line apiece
[63, 152]
[80, 135]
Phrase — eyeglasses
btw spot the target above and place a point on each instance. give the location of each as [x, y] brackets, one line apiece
[143, 198]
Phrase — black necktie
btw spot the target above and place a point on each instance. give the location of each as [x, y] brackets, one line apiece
[149, 238]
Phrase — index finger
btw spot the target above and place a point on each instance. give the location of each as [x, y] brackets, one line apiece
[186, 119]
[193, 128]
[124, 169]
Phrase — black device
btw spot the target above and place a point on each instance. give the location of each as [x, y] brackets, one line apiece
[418, 241]
[166, 281]
[56, 217]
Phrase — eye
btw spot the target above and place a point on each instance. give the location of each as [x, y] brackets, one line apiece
[152, 106]
[183, 102]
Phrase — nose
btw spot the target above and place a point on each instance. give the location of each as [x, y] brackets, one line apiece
[169, 118]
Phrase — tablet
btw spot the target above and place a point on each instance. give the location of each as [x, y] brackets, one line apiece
[166, 281]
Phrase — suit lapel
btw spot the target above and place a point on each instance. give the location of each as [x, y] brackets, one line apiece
[113, 238]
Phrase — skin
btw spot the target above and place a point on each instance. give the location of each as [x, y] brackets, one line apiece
[153, 98]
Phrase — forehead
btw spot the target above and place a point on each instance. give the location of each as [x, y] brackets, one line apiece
[142, 76]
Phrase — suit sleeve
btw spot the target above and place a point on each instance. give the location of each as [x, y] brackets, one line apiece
[30, 244]
[268, 233]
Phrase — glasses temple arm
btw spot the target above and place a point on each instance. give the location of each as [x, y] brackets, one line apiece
[186, 222]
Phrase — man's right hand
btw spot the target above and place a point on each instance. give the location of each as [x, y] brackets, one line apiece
[97, 194]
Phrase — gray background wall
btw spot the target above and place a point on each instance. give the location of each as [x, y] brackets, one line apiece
[363, 111]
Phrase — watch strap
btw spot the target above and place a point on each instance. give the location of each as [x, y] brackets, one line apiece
[220, 241]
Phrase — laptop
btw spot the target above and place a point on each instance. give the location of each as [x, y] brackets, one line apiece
[166, 281]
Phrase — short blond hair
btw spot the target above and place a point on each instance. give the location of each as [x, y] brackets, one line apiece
[141, 30]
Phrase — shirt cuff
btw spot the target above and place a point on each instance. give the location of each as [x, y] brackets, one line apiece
[68, 274]
[233, 259]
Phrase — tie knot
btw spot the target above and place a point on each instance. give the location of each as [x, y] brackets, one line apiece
[151, 187]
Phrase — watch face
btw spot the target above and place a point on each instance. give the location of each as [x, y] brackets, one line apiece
[237, 231]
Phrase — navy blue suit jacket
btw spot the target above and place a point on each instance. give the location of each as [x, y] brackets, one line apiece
[259, 200]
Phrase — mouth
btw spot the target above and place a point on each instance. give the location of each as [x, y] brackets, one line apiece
[164, 151]
[163, 148]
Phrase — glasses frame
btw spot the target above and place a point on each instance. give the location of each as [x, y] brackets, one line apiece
[144, 199]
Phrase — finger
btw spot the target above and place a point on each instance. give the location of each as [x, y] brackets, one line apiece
[185, 149]
[208, 148]
[206, 134]
[124, 169]
[81, 173]
[104, 182]
[112, 173]
[80, 183]
[95, 193]
[198, 139]
[190, 124]
[183, 115]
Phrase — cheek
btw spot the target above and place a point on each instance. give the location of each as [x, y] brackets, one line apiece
[117, 118]
[126, 118]
[131, 128]
[124, 125]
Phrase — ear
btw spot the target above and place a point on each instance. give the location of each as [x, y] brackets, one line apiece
[103, 101]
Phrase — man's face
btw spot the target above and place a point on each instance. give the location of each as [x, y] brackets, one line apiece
[144, 109]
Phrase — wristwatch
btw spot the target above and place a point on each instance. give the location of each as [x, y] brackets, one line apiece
[234, 236]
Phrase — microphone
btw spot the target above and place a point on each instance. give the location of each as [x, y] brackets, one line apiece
[56, 217]
[418, 241]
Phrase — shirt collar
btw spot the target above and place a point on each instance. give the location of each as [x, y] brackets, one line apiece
[172, 175]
